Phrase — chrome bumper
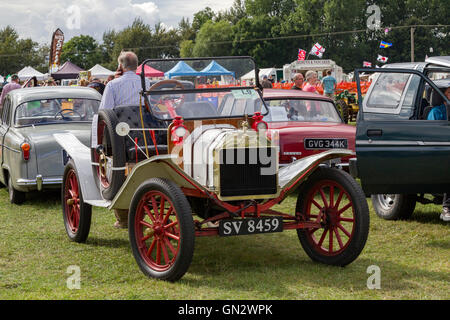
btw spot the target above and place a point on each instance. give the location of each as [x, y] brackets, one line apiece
[329, 163]
[39, 182]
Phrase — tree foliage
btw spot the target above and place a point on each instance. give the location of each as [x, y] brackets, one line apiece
[271, 31]
[16, 53]
[84, 51]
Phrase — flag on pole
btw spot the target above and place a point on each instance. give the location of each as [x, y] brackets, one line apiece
[382, 59]
[317, 50]
[384, 44]
[301, 54]
[367, 64]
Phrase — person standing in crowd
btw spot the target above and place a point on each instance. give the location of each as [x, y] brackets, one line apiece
[329, 84]
[311, 81]
[124, 89]
[298, 81]
[96, 84]
[13, 85]
[266, 82]
[111, 77]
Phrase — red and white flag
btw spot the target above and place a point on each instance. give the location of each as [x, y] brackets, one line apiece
[301, 54]
[367, 64]
[382, 59]
[317, 50]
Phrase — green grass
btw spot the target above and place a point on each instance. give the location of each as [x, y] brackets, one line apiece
[414, 258]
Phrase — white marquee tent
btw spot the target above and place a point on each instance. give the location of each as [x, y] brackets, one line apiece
[250, 76]
[98, 71]
[28, 72]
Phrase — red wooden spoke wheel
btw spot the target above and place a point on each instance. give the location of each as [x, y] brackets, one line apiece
[329, 204]
[72, 201]
[161, 230]
[76, 213]
[334, 199]
[157, 230]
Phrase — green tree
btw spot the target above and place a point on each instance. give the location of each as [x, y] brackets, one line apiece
[272, 8]
[201, 17]
[145, 42]
[267, 53]
[186, 48]
[16, 53]
[213, 39]
[107, 48]
[185, 30]
[83, 50]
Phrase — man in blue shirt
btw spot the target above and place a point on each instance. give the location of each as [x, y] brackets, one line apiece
[123, 90]
[440, 113]
[329, 85]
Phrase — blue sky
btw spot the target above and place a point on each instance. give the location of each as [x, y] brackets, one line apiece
[38, 19]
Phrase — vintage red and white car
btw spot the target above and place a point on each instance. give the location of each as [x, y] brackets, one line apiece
[190, 162]
[308, 123]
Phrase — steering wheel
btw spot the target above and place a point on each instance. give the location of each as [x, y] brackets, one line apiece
[67, 111]
[171, 108]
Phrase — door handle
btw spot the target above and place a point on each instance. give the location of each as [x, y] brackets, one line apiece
[374, 133]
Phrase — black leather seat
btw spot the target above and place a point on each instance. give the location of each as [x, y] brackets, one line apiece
[130, 114]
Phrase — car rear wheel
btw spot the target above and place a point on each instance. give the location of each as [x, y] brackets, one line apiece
[161, 230]
[77, 214]
[394, 206]
[335, 200]
[15, 196]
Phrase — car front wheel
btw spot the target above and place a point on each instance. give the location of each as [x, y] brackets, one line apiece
[335, 200]
[161, 230]
[394, 206]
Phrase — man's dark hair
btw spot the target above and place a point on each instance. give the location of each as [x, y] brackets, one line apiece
[329, 72]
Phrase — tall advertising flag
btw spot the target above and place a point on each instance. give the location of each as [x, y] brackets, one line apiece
[55, 50]
[301, 54]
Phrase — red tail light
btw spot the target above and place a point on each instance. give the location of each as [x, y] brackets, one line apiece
[25, 150]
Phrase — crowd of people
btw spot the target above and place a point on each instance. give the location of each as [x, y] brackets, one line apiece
[309, 82]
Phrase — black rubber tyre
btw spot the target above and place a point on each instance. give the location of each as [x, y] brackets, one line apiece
[343, 214]
[76, 214]
[343, 110]
[394, 206]
[162, 241]
[15, 196]
[114, 147]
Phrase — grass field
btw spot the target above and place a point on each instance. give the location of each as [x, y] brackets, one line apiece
[35, 254]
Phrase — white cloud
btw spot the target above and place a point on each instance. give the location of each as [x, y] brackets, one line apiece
[38, 19]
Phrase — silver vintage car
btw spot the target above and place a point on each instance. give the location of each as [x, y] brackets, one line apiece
[30, 157]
